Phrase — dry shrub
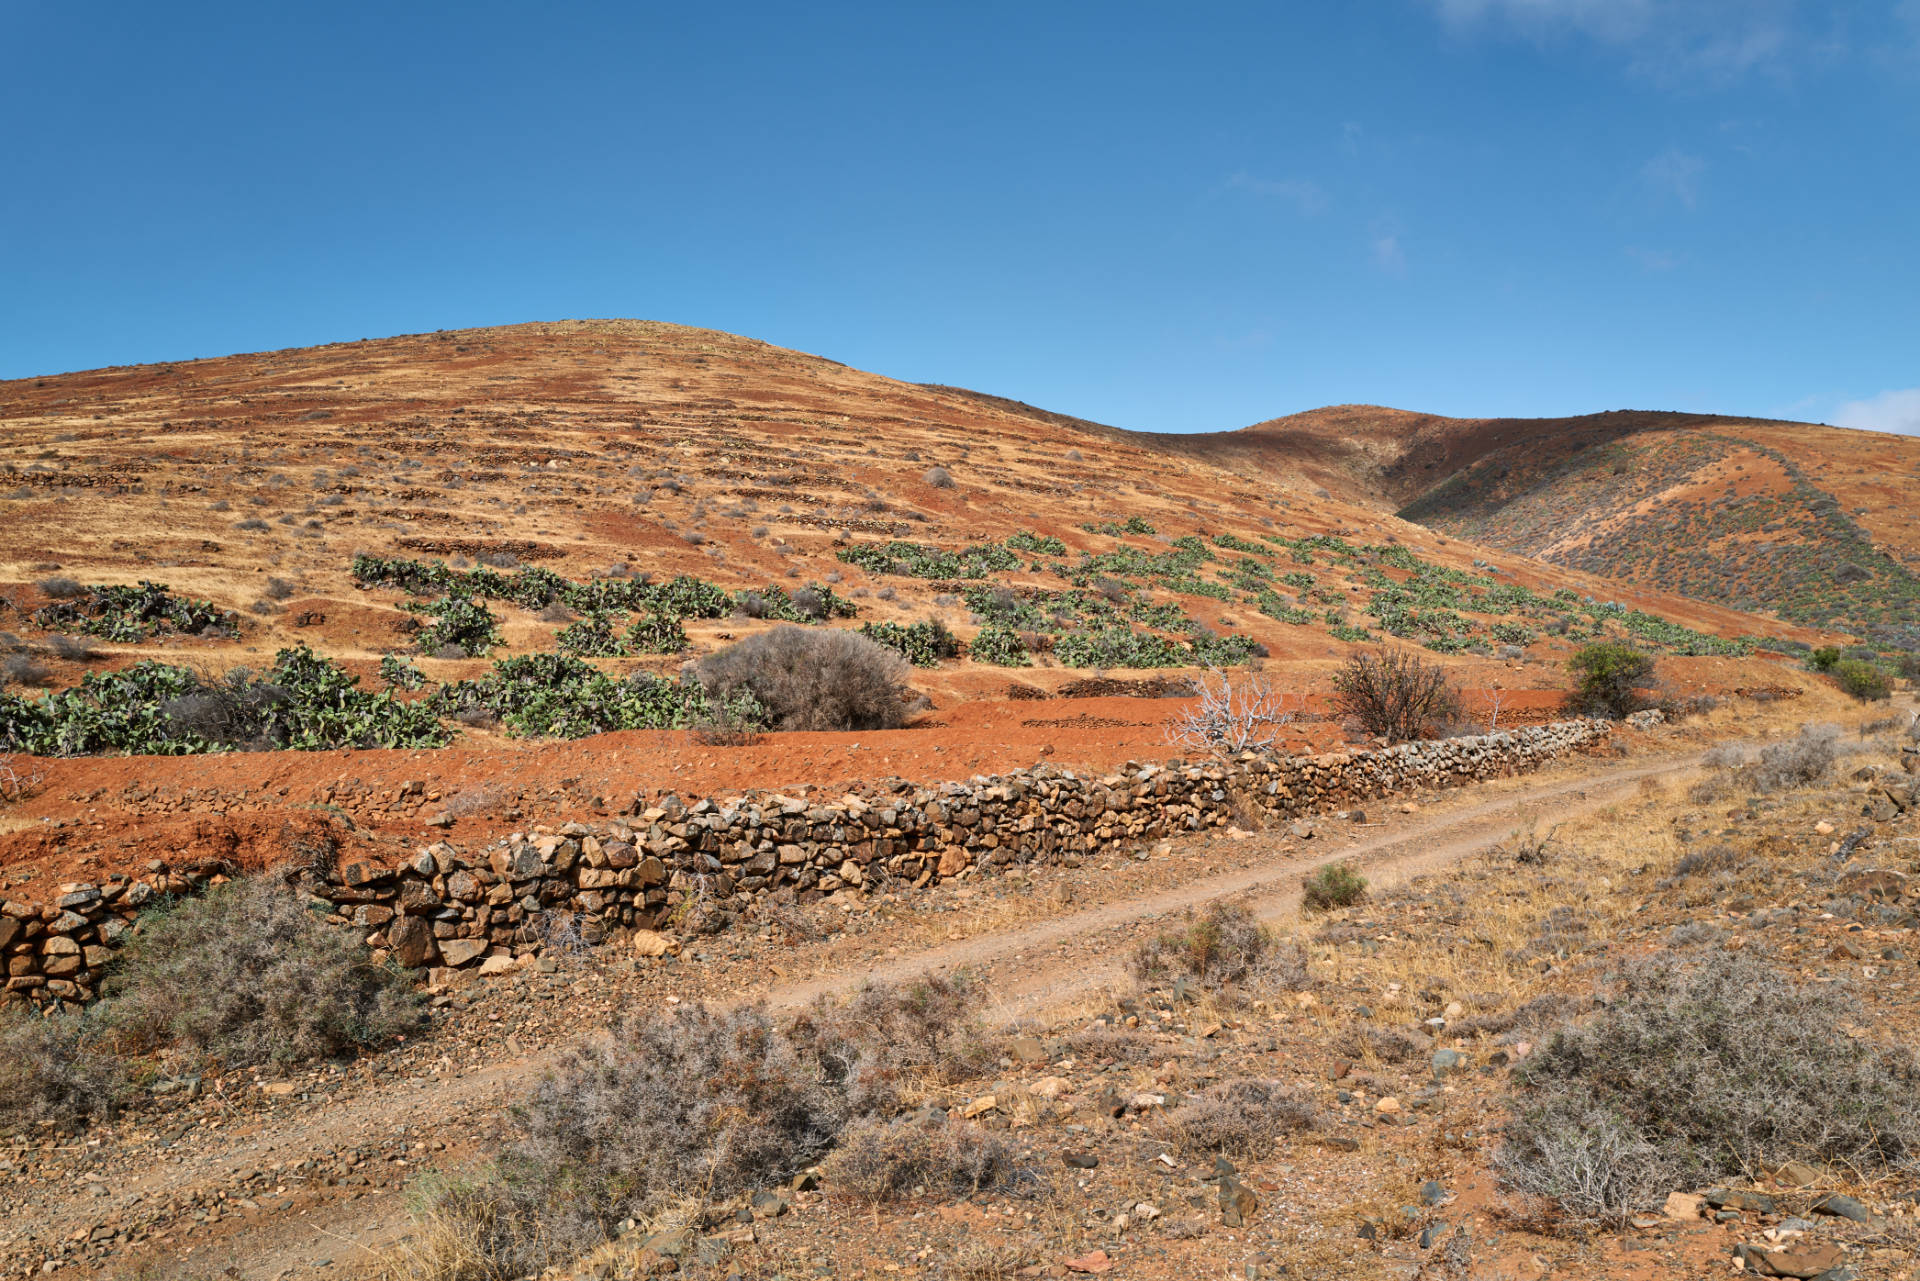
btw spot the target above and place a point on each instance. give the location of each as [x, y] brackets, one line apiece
[1225, 945]
[1799, 761]
[1714, 858]
[979, 1260]
[890, 1036]
[812, 679]
[49, 1071]
[693, 1103]
[1100, 1042]
[73, 649]
[1725, 756]
[1698, 1073]
[1393, 694]
[701, 1105]
[23, 669]
[1243, 1117]
[246, 975]
[881, 1161]
[1527, 1017]
[1387, 1044]
[1232, 716]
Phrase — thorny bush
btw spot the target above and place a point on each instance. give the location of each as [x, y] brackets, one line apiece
[703, 1105]
[1695, 1073]
[245, 974]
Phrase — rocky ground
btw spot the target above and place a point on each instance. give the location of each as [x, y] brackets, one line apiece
[1414, 1005]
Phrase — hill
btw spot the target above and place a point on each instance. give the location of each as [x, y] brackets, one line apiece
[1806, 522]
[629, 452]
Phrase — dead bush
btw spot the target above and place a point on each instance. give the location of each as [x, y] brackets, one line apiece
[1714, 858]
[702, 1105]
[888, 1037]
[61, 588]
[50, 1071]
[1696, 1073]
[1225, 945]
[246, 975]
[1799, 761]
[1100, 1043]
[1527, 1017]
[812, 679]
[1232, 716]
[1243, 1117]
[23, 669]
[73, 649]
[1389, 1045]
[1392, 694]
[881, 1161]
[1725, 756]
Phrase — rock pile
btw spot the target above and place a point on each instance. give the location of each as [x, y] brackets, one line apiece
[692, 866]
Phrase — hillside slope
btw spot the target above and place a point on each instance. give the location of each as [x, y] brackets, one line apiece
[607, 452]
[1808, 522]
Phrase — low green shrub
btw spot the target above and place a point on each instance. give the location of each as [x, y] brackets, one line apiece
[130, 614]
[1862, 680]
[1333, 885]
[924, 644]
[593, 636]
[1610, 679]
[461, 626]
[1000, 646]
[562, 696]
[304, 703]
[657, 634]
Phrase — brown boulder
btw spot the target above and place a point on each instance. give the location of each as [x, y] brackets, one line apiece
[411, 940]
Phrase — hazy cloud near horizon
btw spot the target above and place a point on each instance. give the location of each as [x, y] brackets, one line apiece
[1896, 411]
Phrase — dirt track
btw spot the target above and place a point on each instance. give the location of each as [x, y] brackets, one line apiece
[1028, 967]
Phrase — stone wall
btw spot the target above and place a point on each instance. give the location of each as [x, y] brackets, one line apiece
[694, 866]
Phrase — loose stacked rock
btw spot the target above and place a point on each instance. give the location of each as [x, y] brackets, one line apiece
[696, 866]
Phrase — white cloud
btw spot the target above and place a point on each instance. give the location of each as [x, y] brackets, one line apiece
[1675, 173]
[1678, 41]
[1303, 194]
[1388, 255]
[1889, 411]
[1655, 259]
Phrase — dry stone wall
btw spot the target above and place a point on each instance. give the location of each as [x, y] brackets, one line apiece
[696, 866]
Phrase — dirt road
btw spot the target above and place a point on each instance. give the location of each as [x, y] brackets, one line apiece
[1027, 968]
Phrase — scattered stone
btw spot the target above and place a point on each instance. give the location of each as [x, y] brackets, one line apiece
[652, 943]
[1682, 1206]
[1804, 1260]
[1238, 1204]
[1731, 1199]
[1843, 1207]
[1796, 1174]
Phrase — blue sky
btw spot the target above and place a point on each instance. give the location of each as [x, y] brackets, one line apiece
[1169, 217]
